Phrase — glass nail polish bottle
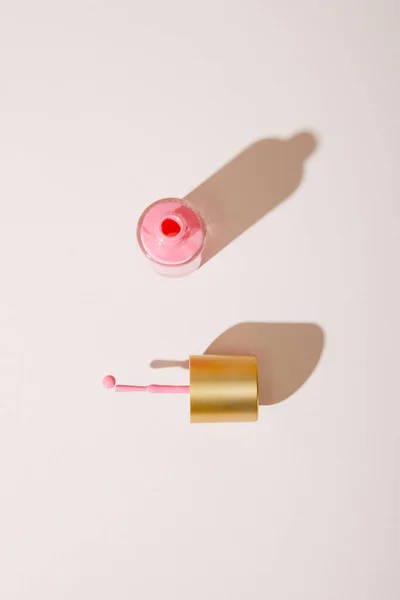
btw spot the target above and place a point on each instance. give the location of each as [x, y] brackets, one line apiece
[172, 235]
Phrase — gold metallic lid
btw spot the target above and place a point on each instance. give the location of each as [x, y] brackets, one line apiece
[223, 389]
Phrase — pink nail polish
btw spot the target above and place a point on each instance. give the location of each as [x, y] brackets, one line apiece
[172, 235]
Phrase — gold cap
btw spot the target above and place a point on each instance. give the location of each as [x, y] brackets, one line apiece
[223, 389]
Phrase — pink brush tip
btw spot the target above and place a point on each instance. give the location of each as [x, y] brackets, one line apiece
[109, 382]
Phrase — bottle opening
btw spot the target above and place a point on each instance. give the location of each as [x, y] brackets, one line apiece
[170, 227]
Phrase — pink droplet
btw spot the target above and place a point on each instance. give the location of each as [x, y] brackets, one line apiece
[109, 382]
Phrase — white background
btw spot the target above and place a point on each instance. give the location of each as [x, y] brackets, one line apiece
[105, 107]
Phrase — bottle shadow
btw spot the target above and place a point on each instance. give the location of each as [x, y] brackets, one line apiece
[287, 354]
[249, 186]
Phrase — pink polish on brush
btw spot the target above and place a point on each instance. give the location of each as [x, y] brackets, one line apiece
[172, 234]
[110, 383]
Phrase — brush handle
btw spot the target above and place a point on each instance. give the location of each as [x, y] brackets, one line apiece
[154, 389]
[110, 383]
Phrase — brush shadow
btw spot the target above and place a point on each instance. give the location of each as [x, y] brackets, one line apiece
[249, 186]
[287, 354]
[166, 364]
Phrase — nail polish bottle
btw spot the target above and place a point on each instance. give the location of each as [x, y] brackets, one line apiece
[172, 235]
[222, 388]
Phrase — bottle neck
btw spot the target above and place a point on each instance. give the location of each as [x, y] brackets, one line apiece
[171, 229]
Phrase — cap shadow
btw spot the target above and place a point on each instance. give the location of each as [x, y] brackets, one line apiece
[287, 354]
